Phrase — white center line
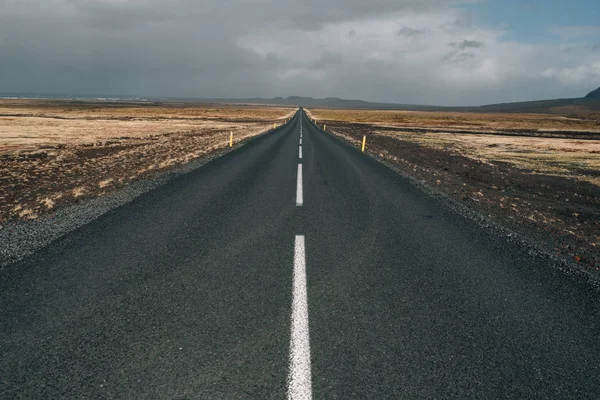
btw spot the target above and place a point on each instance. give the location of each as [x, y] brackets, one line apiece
[300, 152]
[299, 196]
[300, 141]
[299, 378]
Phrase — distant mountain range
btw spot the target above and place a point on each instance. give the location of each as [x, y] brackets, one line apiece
[593, 95]
[591, 102]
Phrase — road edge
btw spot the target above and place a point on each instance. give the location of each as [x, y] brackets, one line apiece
[20, 239]
[528, 244]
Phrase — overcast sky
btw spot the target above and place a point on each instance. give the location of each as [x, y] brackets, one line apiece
[404, 51]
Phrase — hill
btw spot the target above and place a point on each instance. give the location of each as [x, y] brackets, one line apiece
[579, 105]
[589, 103]
[593, 95]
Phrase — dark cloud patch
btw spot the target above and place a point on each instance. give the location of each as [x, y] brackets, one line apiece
[466, 44]
[463, 56]
[410, 32]
[455, 57]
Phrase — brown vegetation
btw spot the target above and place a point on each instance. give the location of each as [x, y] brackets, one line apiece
[485, 122]
[53, 153]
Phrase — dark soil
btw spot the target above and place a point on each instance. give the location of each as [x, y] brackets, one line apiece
[559, 214]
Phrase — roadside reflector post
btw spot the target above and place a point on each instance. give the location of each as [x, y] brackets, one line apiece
[324, 127]
[274, 125]
[364, 142]
[231, 139]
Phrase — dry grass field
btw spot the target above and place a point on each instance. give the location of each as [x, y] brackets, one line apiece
[54, 153]
[537, 173]
[490, 122]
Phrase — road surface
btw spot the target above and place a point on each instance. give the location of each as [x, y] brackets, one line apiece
[276, 272]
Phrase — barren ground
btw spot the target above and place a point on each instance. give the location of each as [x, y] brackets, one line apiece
[55, 153]
[537, 174]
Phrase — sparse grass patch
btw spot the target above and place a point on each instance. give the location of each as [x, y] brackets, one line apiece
[105, 183]
[48, 203]
[78, 191]
[27, 213]
[53, 153]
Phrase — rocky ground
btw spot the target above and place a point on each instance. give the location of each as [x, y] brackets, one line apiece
[541, 183]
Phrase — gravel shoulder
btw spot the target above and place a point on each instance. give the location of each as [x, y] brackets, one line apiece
[21, 237]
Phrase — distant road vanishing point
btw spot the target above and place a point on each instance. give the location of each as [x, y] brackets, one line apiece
[293, 267]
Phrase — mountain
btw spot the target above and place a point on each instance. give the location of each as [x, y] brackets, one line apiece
[308, 101]
[593, 95]
[573, 105]
[589, 103]
[332, 102]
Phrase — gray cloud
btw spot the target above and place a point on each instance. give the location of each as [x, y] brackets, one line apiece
[458, 57]
[465, 44]
[240, 48]
[410, 32]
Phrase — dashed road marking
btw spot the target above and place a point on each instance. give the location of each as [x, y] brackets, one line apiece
[300, 376]
[299, 194]
[300, 153]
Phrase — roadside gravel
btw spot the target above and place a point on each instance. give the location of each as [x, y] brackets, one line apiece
[22, 238]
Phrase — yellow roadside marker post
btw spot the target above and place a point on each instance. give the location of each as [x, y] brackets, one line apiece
[274, 125]
[324, 127]
[364, 142]
[231, 139]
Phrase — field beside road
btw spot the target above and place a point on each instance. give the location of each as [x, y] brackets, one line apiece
[55, 153]
[538, 174]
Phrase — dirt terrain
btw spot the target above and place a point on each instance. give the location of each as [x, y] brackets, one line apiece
[537, 174]
[55, 153]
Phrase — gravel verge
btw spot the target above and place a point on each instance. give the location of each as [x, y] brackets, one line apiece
[21, 239]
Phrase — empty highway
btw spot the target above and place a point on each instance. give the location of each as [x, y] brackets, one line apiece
[293, 267]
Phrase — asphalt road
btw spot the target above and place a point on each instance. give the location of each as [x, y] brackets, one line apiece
[236, 281]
